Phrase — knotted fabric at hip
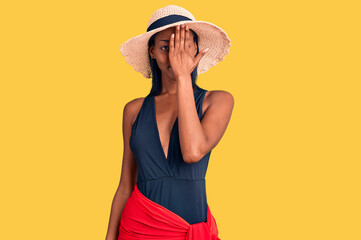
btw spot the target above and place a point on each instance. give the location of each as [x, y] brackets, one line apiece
[144, 219]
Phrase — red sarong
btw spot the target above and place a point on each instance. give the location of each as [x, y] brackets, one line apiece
[144, 219]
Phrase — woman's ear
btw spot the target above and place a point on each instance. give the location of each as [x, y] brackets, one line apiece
[151, 52]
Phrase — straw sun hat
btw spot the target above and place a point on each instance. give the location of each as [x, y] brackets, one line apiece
[135, 50]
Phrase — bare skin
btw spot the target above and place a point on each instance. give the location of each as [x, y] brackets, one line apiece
[196, 137]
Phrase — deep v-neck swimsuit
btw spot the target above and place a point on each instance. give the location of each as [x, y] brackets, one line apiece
[169, 181]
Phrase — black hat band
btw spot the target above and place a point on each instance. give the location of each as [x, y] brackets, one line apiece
[167, 20]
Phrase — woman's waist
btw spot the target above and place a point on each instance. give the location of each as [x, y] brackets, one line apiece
[169, 178]
[170, 185]
[185, 197]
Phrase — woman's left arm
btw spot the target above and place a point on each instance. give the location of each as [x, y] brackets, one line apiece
[197, 137]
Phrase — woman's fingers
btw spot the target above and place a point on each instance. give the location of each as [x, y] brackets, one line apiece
[171, 43]
[200, 55]
[187, 40]
[177, 37]
[182, 35]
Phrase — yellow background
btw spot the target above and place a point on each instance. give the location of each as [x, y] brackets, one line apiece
[287, 168]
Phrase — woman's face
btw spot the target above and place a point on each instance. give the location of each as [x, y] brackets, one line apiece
[160, 50]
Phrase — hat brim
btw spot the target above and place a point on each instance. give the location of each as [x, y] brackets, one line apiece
[135, 50]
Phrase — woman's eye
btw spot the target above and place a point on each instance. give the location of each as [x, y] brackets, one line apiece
[164, 46]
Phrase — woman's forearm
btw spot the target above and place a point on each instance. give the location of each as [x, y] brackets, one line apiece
[119, 201]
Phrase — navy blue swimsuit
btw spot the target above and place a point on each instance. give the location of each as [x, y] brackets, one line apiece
[169, 181]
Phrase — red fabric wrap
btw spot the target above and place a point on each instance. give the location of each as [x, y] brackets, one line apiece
[144, 219]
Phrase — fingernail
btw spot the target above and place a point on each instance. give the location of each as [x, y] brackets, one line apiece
[206, 50]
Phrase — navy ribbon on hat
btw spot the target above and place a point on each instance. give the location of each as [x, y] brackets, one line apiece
[167, 20]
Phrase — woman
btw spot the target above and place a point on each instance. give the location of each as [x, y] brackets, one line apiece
[162, 192]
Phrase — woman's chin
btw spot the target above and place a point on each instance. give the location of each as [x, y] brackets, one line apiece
[171, 71]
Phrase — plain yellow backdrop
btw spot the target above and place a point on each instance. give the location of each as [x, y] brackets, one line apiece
[287, 168]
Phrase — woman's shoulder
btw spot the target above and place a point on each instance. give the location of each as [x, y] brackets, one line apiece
[216, 96]
[218, 93]
[132, 108]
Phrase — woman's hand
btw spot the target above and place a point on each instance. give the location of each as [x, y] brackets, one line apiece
[181, 58]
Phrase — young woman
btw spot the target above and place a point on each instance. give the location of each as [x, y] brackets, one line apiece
[170, 133]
